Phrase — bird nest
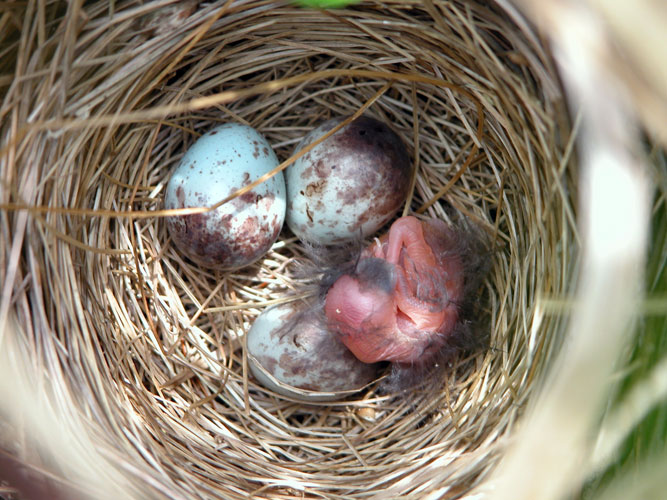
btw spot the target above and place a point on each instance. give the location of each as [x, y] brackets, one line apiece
[145, 350]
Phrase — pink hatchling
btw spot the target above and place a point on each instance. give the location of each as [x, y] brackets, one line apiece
[401, 303]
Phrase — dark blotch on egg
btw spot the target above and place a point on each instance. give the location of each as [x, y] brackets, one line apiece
[204, 238]
[381, 151]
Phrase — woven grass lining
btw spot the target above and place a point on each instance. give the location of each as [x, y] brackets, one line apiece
[149, 348]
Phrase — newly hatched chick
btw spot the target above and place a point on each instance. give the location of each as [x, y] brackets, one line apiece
[401, 301]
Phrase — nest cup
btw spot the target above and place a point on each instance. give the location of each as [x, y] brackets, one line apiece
[147, 348]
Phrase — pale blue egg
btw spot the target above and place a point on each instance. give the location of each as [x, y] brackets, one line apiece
[242, 230]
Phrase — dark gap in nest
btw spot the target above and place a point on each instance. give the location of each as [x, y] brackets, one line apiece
[144, 378]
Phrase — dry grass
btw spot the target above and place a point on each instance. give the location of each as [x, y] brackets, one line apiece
[143, 351]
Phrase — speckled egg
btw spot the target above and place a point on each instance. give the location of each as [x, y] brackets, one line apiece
[348, 186]
[291, 352]
[242, 230]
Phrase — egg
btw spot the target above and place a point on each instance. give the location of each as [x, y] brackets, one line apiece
[291, 352]
[242, 230]
[348, 186]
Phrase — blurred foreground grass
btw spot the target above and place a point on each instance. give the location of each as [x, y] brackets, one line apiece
[638, 469]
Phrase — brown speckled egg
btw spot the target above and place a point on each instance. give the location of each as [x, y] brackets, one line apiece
[242, 230]
[349, 185]
[291, 352]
